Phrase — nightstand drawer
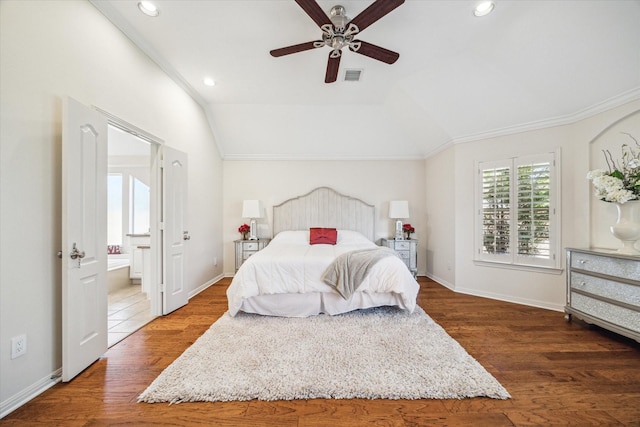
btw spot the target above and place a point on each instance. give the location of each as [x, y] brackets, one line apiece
[405, 255]
[249, 246]
[624, 268]
[247, 254]
[402, 246]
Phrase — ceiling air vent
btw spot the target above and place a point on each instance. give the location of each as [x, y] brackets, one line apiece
[352, 75]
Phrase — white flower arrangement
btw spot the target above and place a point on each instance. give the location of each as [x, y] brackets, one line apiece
[621, 183]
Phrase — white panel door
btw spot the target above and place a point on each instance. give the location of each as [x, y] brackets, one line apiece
[84, 238]
[175, 235]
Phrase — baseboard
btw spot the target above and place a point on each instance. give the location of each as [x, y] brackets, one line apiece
[497, 297]
[205, 286]
[505, 298]
[441, 281]
[19, 399]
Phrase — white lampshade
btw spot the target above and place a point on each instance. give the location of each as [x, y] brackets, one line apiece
[252, 209]
[398, 209]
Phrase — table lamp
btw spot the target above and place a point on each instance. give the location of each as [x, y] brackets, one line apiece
[252, 209]
[398, 210]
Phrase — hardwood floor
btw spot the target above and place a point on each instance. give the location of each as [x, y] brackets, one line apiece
[558, 373]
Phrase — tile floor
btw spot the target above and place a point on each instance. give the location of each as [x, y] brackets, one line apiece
[129, 310]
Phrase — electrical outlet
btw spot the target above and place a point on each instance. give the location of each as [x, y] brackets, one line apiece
[18, 346]
[215, 261]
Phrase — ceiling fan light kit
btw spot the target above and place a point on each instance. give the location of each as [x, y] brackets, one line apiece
[339, 31]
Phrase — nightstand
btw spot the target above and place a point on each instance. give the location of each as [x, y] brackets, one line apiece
[407, 250]
[246, 248]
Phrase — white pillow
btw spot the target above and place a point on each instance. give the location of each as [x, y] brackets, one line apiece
[351, 237]
[291, 237]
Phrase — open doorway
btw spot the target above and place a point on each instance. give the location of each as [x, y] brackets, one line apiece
[85, 143]
[128, 234]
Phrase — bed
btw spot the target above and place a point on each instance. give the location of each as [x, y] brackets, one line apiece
[286, 277]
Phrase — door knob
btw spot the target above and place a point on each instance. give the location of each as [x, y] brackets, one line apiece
[185, 235]
[75, 253]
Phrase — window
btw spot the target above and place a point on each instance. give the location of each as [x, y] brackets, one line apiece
[518, 216]
[128, 204]
[139, 207]
[114, 209]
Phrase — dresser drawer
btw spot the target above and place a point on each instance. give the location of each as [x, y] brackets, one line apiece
[405, 255]
[623, 268]
[628, 294]
[620, 316]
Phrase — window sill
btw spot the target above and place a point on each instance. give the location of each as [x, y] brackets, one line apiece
[522, 267]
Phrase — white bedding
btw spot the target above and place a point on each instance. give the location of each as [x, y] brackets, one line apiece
[284, 279]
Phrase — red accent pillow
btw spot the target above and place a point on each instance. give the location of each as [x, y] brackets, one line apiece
[323, 236]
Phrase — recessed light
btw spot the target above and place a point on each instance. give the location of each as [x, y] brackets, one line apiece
[483, 8]
[148, 8]
[208, 81]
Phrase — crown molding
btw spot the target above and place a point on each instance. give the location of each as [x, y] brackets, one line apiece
[311, 158]
[601, 107]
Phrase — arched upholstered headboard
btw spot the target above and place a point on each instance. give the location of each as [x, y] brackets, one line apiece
[325, 207]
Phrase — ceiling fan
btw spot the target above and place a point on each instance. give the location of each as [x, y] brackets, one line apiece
[339, 31]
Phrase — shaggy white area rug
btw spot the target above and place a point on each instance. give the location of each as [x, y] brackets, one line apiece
[381, 353]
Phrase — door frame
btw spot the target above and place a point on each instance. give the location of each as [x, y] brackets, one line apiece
[155, 204]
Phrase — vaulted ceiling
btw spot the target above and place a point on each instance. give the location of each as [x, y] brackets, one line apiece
[528, 64]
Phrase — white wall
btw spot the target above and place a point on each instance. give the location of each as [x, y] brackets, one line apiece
[440, 187]
[533, 288]
[375, 182]
[50, 50]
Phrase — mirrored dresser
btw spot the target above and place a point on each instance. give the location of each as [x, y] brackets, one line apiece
[603, 288]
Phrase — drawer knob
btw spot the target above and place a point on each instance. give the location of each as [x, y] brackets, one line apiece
[582, 261]
[582, 284]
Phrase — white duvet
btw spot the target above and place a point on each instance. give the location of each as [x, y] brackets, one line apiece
[290, 265]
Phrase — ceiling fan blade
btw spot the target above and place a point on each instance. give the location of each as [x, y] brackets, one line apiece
[314, 11]
[332, 68]
[296, 48]
[375, 11]
[375, 52]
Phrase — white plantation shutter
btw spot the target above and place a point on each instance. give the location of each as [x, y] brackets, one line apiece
[518, 217]
[496, 209]
[535, 210]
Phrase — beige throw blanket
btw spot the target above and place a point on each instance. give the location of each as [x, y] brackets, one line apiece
[350, 269]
